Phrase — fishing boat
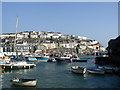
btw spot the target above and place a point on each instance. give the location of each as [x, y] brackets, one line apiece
[32, 59]
[75, 58]
[51, 60]
[78, 60]
[18, 58]
[63, 58]
[46, 58]
[24, 82]
[17, 65]
[78, 69]
[96, 71]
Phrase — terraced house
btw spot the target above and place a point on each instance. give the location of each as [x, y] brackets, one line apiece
[32, 41]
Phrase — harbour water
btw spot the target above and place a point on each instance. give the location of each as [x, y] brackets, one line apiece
[59, 75]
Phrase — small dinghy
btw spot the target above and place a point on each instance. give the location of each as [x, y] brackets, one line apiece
[78, 69]
[24, 82]
[96, 71]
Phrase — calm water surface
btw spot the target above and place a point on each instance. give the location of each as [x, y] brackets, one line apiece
[56, 75]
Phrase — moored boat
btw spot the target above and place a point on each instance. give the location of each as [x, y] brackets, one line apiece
[96, 71]
[75, 58]
[24, 82]
[107, 69]
[63, 60]
[79, 60]
[51, 60]
[17, 65]
[45, 58]
[32, 59]
[6, 58]
[78, 69]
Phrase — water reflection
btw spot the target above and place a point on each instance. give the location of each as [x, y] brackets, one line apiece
[1, 76]
[21, 71]
[85, 76]
[59, 75]
[22, 88]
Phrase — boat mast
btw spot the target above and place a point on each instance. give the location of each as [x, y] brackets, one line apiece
[16, 36]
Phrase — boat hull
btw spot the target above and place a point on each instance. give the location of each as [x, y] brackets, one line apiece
[78, 70]
[43, 60]
[31, 59]
[15, 67]
[107, 69]
[75, 60]
[96, 71]
[38, 59]
[62, 60]
[46, 59]
[30, 83]
[51, 60]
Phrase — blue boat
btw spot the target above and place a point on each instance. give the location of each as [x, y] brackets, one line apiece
[38, 59]
[107, 69]
[32, 59]
[96, 71]
[18, 58]
[45, 57]
[42, 60]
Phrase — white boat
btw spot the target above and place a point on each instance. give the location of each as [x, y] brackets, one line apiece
[75, 58]
[65, 58]
[17, 65]
[24, 82]
[78, 69]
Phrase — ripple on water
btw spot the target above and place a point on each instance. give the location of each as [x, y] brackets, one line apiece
[54, 75]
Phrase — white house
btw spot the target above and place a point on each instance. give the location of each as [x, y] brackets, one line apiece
[94, 42]
[55, 36]
[4, 35]
[20, 36]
